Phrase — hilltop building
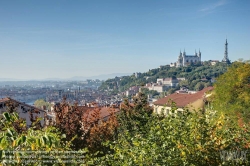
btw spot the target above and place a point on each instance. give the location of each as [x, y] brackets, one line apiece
[213, 62]
[226, 59]
[163, 84]
[185, 60]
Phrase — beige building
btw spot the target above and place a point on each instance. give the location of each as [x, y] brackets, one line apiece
[214, 62]
[156, 87]
[132, 91]
[163, 84]
[194, 101]
[171, 82]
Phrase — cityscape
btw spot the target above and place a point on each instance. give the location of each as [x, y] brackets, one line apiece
[124, 82]
[87, 91]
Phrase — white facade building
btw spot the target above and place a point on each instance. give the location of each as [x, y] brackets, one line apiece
[23, 110]
[185, 60]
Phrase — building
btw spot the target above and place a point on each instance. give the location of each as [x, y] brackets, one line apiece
[226, 59]
[170, 82]
[173, 64]
[24, 110]
[132, 91]
[182, 100]
[213, 62]
[163, 84]
[185, 90]
[156, 87]
[185, 60]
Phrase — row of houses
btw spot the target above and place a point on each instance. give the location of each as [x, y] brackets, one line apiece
[26, 111]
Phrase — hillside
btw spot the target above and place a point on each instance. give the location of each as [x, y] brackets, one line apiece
[197, 77]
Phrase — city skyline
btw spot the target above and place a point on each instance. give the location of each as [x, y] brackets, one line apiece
[64, 39]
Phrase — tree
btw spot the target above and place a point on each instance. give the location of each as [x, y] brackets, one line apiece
[85, 129]
[232, 90]
[183, 83]
[16, 140]
[199, 86]
[133, 117]
[41, 102]
[170, 91]
[189, 139]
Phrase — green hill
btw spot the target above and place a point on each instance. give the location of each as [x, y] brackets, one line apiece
[197, 77]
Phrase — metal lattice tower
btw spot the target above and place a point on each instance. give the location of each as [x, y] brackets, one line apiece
[226, 59]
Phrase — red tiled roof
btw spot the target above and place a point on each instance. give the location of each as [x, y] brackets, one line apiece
[104, 112]
[182, 100]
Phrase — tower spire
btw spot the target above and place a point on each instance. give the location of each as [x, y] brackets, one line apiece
[225, 59]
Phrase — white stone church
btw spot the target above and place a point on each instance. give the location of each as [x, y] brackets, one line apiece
[185, 60]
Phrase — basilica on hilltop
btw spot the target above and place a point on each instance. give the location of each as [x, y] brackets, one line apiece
[186, 60]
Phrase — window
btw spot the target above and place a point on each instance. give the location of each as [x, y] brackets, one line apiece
[167, 112]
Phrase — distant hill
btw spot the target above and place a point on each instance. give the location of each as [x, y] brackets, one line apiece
[9, 79]
[76, 78]
[101, 77]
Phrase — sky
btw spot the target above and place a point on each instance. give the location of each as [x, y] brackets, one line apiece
[62, 38]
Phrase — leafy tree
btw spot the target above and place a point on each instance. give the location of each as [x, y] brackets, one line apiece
[183, 83]
[146, 91]
[41, 102]
[16, 141]
[170, 91]
[134, 116]
[85, 129]
[199, 86]
[232, 92]
[189, 139]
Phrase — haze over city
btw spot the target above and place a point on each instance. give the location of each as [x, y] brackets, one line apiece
[64, 39]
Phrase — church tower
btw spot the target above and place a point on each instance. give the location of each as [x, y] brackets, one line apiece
[225, 59]
[199, 55]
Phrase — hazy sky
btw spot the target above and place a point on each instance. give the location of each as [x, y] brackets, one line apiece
[63, 38]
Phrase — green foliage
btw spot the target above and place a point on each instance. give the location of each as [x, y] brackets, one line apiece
[17, 140]
[199, 86]
[170, 91]
[189, 139]
[193, 75]
[133, 117]
[41, 102]
[232, 90]
[149, 92]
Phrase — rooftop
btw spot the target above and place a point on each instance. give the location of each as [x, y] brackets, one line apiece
[182, 100]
